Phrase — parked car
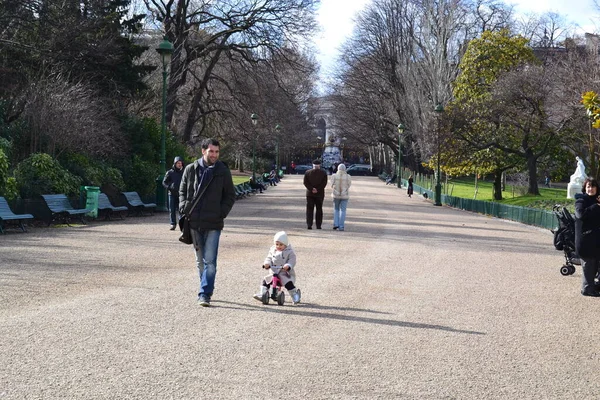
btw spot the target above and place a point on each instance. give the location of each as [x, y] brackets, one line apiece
[301, 169]
[359, 170]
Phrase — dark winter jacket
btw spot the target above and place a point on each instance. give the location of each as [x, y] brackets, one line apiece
[315, 178]
[172, 178]
[217, 200]
[587, 227]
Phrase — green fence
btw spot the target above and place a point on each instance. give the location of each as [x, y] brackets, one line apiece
[525, 215]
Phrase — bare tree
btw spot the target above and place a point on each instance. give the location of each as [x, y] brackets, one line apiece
[401, 62]
[63, 116]
[203, 31]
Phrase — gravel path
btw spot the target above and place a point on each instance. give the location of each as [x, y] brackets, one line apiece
[412, 301]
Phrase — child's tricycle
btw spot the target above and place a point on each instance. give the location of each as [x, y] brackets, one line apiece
[275, 291]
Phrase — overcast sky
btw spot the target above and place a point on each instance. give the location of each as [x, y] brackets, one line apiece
[336, 20]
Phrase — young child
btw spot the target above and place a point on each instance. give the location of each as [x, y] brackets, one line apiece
[280, 260]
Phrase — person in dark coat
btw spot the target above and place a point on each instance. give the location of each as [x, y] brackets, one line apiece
[171, 181]
[212, 176]
[409, 190]
[315, 181]
[587, 235]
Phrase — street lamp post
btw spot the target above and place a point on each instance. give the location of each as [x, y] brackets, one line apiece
[254, 119]
[277, 130]
[165, 49]
[439, 109]
[399, 174]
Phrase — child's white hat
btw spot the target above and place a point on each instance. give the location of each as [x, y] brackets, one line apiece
[281, 237]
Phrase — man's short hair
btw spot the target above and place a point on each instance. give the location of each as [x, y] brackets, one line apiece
[208, 142]
[316, 162]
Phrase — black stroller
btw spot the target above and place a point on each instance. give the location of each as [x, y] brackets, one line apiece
[564, 239]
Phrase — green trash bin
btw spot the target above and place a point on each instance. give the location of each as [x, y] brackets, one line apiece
[91, 200]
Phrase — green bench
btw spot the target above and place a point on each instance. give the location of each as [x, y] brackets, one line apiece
[105, 207]
[6, 215]
[135, 204]
[61, 209]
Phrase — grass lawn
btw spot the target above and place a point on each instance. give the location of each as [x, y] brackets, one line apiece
[465, 188]
[237, 179]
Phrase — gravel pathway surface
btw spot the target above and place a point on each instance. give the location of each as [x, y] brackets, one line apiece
[412, 301]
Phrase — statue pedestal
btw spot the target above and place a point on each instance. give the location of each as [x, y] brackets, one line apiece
[573, 189]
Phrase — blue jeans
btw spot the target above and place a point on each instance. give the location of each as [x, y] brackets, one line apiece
[206, 246]
[339, 212]
[173, 207]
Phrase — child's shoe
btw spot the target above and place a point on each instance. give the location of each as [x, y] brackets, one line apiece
[258, 296]
[295, 294]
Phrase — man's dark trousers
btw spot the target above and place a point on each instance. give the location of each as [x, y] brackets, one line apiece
[311, 203]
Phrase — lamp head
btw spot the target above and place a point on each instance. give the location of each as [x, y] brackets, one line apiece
[439, 108]
[165, 49]
[400, 128]
[254, 118]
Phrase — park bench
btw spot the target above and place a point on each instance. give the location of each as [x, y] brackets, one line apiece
[61, 209]
[6, 215]
[135, 204]
[248, 188]
[106, 207]
[240, 193]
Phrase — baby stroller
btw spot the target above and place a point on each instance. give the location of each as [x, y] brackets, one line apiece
[564, 239]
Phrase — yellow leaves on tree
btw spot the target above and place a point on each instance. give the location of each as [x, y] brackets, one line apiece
[592, 105]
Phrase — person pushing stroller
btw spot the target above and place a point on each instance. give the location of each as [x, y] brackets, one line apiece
[280, 261]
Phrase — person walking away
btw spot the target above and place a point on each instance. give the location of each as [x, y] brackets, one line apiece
[207, 218]
[171, 182]
[315, 181]
[587, 235]
[409, 190]
[281, 260]
[340, 185]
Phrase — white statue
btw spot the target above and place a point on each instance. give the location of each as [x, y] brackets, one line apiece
[577, 179]
[579, 175]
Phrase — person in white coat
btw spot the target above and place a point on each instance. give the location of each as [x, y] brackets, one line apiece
[340, 183]
[281, 260]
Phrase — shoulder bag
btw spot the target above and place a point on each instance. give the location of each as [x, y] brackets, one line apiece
[184, 221]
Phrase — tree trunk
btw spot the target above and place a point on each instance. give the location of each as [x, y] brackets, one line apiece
[498, 184]
[532, 170]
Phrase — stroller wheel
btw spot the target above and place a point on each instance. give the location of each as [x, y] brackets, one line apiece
[565, 270]
[265, 298]
[281, 298]
[571, 270]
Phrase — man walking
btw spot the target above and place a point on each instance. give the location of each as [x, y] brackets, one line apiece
[210, 175]
[315, 181]
[171, 182]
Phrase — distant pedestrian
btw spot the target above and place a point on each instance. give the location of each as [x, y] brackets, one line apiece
[315, 181]
[340, 185]
[207, 218]
[171, 182]
[547, 181]
[409, 190]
